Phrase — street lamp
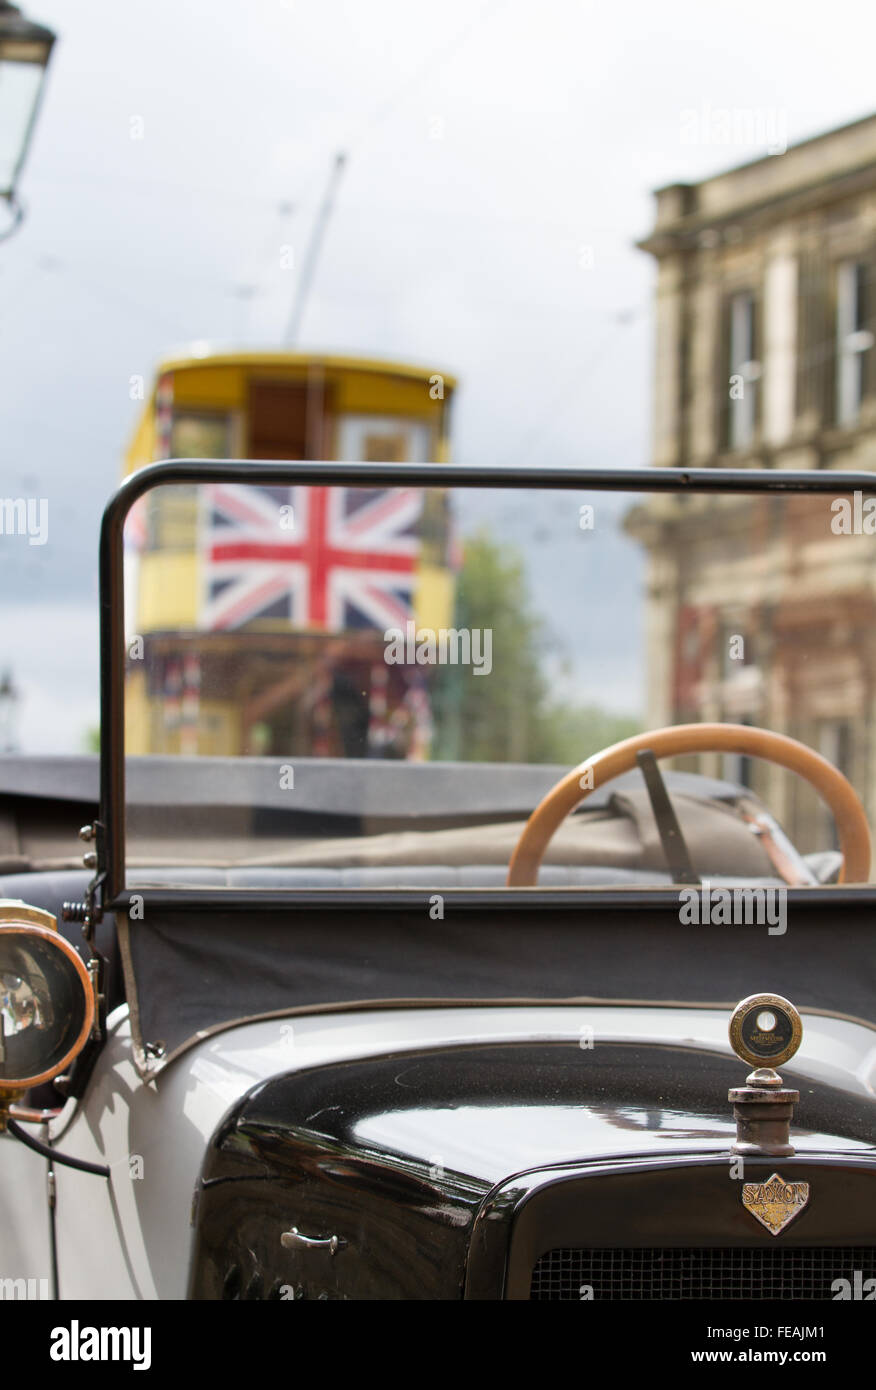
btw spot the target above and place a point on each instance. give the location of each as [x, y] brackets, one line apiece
[8, 702]
[25, 48]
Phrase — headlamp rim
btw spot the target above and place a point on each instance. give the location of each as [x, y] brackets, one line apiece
[22, 927]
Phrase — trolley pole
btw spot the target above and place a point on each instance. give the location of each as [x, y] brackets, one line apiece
[311, 257]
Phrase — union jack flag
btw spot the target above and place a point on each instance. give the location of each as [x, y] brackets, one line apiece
[325, 558]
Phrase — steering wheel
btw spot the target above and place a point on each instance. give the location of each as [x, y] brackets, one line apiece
[834, 789]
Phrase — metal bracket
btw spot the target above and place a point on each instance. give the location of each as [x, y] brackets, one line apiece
[90, 912]
[96, 974]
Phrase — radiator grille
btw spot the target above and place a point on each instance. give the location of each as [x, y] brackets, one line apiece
[692, 1273]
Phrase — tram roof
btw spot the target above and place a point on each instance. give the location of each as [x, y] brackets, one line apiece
[272, 358]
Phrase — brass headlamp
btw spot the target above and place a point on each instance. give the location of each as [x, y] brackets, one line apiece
[46, 1001]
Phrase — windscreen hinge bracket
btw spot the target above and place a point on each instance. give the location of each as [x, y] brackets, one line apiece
[89, 912]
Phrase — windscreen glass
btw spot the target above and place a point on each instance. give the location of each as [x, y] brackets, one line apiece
[374, 687]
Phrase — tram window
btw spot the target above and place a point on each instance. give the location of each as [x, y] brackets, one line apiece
[383, 439]
[200, 437]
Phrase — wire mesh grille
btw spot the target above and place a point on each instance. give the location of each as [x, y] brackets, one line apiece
[693, 1273]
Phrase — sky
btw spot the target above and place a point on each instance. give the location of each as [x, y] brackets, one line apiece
[501, 159]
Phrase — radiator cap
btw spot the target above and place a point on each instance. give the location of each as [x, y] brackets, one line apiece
[765, 1031]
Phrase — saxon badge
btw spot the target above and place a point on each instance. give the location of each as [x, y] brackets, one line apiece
[775, 1203]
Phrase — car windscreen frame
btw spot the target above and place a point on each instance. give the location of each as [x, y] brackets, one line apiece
[109, 891]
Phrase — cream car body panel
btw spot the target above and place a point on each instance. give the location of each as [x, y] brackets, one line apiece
[131, 1237]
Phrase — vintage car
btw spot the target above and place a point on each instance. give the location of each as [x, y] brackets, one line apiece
[384, 980]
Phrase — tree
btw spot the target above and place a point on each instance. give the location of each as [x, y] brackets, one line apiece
[509, 715]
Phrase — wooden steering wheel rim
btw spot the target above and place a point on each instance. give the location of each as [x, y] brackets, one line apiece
[834, 789]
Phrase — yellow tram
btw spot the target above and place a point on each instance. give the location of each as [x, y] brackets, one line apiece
[212, 673]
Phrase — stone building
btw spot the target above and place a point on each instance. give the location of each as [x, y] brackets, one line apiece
[765, 358]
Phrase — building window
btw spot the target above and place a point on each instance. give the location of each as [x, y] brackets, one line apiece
[745, 372]
[835, 744]
[853, 340]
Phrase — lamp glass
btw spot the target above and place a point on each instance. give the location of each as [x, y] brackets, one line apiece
[23, 61]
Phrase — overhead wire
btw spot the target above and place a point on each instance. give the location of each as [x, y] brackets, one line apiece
[619, 320]
[417, 78]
